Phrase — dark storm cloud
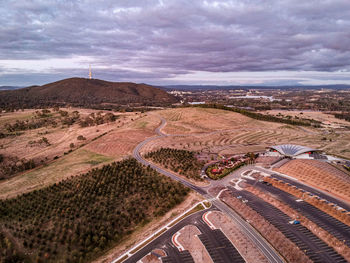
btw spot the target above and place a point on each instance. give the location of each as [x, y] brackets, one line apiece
[160, 39]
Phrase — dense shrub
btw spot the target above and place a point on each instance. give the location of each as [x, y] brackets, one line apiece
[180, 161]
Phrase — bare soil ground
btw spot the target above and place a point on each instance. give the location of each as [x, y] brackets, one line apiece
[144, 232]
[123, 140]
[188, 238]
[13, 116]
[243, 244]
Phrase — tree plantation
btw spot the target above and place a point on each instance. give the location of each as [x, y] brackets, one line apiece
[180, 161]
[79, 218]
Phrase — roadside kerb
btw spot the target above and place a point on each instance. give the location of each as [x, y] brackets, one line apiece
[150, 238]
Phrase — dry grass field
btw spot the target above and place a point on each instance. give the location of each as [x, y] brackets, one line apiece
[336, 138]
[224, 132]
[77, 162]
[59, 138]
[326, 119]
[211, 131]
[118, 142]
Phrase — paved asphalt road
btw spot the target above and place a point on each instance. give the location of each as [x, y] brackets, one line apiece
[264, 246]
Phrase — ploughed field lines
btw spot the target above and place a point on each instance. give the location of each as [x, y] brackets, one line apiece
[227, 138]
[313, 247]
[338, 229]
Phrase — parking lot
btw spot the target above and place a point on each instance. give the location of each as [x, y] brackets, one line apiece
[323, 220]
[216, 243]
[314, 248]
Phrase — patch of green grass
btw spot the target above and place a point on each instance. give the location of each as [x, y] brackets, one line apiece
[142, 124]
[96, 158]
[207, 204]
[9, 118]
[197, 208]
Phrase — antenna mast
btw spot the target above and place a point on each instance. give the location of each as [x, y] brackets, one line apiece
[90, 74]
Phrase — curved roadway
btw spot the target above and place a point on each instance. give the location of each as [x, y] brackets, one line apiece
[249, 231]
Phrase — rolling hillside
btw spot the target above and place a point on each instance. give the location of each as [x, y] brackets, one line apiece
[85, 92]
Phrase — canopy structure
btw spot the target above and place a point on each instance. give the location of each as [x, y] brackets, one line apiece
[291, 149]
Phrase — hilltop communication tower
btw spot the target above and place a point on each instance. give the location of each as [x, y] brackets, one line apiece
[90, 74]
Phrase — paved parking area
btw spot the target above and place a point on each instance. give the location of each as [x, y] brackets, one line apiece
[216, 243]
[315, 248]
[322, 219]
[313, 191]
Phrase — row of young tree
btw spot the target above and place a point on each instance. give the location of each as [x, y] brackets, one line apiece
[258, 116]
[343, 116]
[79, 218]
[8, 251]
[180, 161]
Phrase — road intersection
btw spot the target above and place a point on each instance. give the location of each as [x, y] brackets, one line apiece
[270, 253]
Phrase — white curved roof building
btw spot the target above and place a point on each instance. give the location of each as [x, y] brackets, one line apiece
[291, 149]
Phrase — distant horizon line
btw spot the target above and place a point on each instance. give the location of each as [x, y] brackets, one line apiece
[192, 85]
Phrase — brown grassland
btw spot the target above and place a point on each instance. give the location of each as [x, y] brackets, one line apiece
[196, 129]
[224, 132]
[104, 143]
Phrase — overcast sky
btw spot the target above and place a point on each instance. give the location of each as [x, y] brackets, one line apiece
[268, 42]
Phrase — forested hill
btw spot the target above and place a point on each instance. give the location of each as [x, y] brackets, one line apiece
[86, 93]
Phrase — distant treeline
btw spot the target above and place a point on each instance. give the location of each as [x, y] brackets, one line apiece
[343, 116]
[255, 115]
[234, 87]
